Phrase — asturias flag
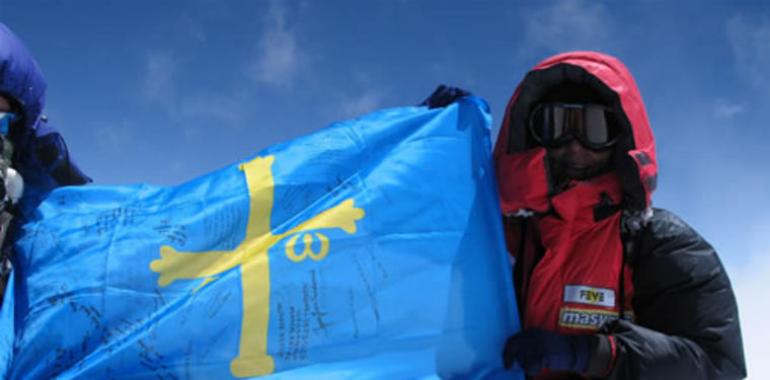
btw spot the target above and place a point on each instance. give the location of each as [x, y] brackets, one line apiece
[370, 249]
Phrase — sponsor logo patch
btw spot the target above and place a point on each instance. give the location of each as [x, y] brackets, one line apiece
[589, 295]
[585, 318]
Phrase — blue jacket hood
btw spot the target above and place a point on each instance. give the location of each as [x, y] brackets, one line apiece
[40, 153]
[20, 77]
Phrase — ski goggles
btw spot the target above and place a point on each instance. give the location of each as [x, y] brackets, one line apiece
[555, 124]
[6, 119]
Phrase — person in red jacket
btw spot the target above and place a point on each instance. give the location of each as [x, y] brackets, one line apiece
[607, 286]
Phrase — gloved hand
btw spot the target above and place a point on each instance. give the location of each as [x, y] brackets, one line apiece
[537, 349]
[444, 96]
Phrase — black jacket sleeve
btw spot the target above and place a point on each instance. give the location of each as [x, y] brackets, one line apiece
[686, 324]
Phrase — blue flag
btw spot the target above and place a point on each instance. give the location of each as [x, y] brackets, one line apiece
[370, 249]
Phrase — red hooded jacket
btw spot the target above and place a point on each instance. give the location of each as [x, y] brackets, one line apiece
[594, 251]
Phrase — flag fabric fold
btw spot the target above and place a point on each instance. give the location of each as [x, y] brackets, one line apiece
[370, 249]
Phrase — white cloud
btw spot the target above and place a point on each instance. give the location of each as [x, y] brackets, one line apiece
[278, 60]
[727, 110]
[750, 42]
[115, 137]
[567, 25]
[158, 85]
[191, 28]
[360, 105]
[364, 94]
[229, 108]
[160, 88]
[751, 284]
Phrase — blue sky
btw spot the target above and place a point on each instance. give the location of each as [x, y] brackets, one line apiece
[164, 91]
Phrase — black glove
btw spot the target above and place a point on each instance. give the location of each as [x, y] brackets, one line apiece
[444, 96]
[535, 350]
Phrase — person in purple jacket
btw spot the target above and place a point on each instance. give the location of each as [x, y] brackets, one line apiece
[33, 156]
